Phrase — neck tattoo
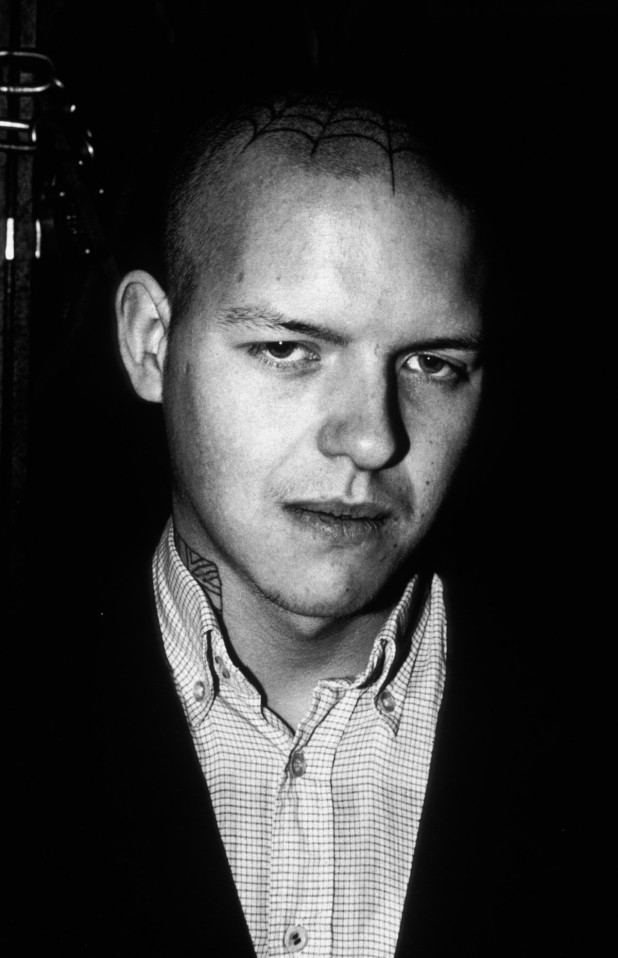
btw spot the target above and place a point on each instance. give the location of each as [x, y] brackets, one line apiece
[205, 572]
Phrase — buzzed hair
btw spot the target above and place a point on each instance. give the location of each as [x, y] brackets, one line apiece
[314, 132]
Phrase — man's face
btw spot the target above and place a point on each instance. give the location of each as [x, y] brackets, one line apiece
[322, 387]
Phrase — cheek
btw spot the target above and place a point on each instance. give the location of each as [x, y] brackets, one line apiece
[438, 433]
[239, 435]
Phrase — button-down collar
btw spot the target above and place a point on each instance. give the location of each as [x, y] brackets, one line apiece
[180, 599]
[298, 812]
[207, 667]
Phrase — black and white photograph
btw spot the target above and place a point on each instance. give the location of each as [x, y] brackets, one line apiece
[303, 438]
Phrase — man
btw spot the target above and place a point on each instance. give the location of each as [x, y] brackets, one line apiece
[295, 746]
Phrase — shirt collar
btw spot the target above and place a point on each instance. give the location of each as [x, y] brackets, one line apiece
[397, 644]
[199, 658]
[187, 623]
[415, 629]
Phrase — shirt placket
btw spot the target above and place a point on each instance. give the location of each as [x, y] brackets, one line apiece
[302, 874]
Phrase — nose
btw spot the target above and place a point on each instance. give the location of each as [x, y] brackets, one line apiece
[363, 421]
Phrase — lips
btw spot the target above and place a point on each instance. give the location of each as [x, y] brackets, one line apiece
[340, 509]
[340, 520]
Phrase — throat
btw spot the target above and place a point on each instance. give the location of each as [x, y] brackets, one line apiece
[283, 653]
[286, 663]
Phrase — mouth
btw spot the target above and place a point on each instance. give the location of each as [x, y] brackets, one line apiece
[339, 520]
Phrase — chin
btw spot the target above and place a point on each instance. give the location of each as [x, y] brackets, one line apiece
[317, 607]
[326, 601]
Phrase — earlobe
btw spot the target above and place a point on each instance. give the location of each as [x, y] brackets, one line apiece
[143, 316]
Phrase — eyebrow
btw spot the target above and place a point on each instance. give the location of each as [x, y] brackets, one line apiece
[261, 317]
[465, 343]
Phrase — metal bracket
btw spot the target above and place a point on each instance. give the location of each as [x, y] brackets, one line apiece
[36, 76]
[28, 62]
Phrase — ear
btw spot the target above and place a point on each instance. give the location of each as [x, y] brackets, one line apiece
[143, 315]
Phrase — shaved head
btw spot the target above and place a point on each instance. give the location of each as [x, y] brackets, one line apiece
[320, 342]
[234, 158]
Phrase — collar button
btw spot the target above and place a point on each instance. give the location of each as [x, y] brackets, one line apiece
[199, 691]
[386, 701]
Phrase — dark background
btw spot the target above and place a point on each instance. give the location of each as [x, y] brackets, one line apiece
[527, 87]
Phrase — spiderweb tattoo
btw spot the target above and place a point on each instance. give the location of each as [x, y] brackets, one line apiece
[321, 121]
[318, 132]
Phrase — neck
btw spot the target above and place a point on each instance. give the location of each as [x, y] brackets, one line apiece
[284, 653]
[287, 654]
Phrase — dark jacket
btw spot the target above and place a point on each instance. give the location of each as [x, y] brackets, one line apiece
[128, 857]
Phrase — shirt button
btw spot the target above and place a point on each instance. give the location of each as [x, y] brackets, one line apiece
[295, 938]
[199, 691]
[386, 701]
[298, 765]
[225, 672]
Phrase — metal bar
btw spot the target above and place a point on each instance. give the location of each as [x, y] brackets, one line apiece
[18, 35]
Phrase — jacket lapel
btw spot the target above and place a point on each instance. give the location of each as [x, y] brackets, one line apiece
[172, 886]
[440, 911]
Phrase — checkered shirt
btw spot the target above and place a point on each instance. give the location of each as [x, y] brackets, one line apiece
[320, 825]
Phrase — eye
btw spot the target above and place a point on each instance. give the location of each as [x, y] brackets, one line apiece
[280, 350]
[283, 354]
[435, 367]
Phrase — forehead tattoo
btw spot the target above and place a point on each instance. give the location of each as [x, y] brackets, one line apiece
[316, 133]
[320, 122]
